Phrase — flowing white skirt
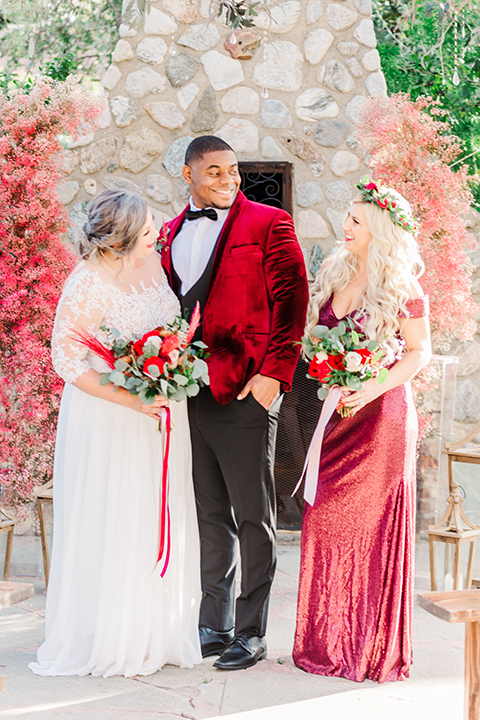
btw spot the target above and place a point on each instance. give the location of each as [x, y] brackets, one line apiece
[108, 610]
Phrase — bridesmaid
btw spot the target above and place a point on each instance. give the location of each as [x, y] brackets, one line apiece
[355, 600]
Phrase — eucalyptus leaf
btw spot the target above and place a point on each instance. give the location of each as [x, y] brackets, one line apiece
[181, 379]
[322, 393]
[180, 395]
[200, 367]
[200, 344]
[335, 332]
[355, 338]
[354, 383]
[105, 379]
[319, 331]
[118, 378]
[153, 371]
[192, 390]
[132, 382]
[382, 376]
[164, 387]
[372, 345]
[121, 365]
[145, 398]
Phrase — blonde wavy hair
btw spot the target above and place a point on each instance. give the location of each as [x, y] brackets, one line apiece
[393, 262]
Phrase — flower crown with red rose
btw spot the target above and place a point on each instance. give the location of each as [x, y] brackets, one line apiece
[383, 197]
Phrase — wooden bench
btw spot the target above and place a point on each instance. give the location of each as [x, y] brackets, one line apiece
[462, 606]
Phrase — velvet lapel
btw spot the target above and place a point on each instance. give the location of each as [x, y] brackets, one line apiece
[236, 208]
[173, 227]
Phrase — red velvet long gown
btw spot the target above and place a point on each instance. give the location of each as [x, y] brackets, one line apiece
[355, 602]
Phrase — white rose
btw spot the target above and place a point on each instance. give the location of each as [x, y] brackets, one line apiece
[353, 361]
[321, 356]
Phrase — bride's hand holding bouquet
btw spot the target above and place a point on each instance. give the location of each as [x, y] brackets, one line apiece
[164, 364]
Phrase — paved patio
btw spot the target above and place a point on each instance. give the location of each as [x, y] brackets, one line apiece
[274, 689]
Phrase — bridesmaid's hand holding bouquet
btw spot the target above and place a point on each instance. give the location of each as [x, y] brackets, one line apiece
[344, 357]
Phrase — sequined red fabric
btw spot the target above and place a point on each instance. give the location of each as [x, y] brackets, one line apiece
[355, 602]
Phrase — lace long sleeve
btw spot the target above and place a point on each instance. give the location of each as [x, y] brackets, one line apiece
[81, 307]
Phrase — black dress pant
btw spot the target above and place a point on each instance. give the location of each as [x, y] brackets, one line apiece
[233, 456]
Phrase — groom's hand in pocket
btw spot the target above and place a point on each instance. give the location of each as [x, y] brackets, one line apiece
[264, 389]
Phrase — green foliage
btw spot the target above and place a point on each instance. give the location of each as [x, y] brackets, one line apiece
[60, 36]
[239, 13]
[418, 57]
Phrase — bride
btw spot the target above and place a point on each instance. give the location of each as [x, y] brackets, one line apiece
[108, 610]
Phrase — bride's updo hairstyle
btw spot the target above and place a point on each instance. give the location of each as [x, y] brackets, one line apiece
[393, 258]
[115, 220]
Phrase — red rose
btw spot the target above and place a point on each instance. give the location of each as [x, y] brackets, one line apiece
[365, 353]
[150, 362]
[336, 362]
[393, 204]
[319, 370]
[323, 371]
[371, 186]
[383, 203]
[138, 346]
[313, 368]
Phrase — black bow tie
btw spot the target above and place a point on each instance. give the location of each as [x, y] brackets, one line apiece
[206, 212]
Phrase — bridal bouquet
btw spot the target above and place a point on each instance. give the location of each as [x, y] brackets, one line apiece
[345, 357]
[164, 361]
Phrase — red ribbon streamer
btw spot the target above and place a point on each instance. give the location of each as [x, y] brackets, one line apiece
[164, 541]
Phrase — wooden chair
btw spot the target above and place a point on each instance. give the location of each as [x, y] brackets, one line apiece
[455, 528]
[7, 524]
[44, 495]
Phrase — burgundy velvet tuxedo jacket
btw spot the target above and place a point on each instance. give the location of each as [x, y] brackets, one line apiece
[257, 297]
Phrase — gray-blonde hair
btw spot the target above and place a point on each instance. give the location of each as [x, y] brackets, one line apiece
[115, 220]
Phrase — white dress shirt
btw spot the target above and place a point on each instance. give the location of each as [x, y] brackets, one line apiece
[193, 246]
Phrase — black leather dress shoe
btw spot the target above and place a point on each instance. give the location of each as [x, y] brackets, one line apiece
[243, 652]
[213, 642]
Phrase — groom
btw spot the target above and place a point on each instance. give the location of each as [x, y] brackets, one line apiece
[241, 260]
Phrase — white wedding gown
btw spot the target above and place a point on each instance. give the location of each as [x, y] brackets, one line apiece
[108, 610]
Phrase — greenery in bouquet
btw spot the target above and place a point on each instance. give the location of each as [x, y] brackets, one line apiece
[165, 361]
[345, 357]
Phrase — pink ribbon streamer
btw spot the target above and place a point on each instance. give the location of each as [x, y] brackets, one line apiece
[164, 533]
[312, 461]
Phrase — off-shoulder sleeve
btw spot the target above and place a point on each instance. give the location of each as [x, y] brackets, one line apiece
[81, 307]
[417, 308]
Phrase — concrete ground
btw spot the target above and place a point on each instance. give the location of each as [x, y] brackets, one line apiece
[274, 689]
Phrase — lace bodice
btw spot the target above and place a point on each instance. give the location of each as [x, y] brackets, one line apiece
[88, 302]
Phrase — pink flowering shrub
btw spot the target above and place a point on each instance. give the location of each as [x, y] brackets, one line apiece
[410, 149]
[33, 268]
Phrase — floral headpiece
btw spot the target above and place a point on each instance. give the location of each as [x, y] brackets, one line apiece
[383, 197]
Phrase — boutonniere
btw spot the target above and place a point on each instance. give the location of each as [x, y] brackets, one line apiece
[162, 240]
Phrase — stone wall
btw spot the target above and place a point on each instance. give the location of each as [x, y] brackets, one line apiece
[291, 89]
